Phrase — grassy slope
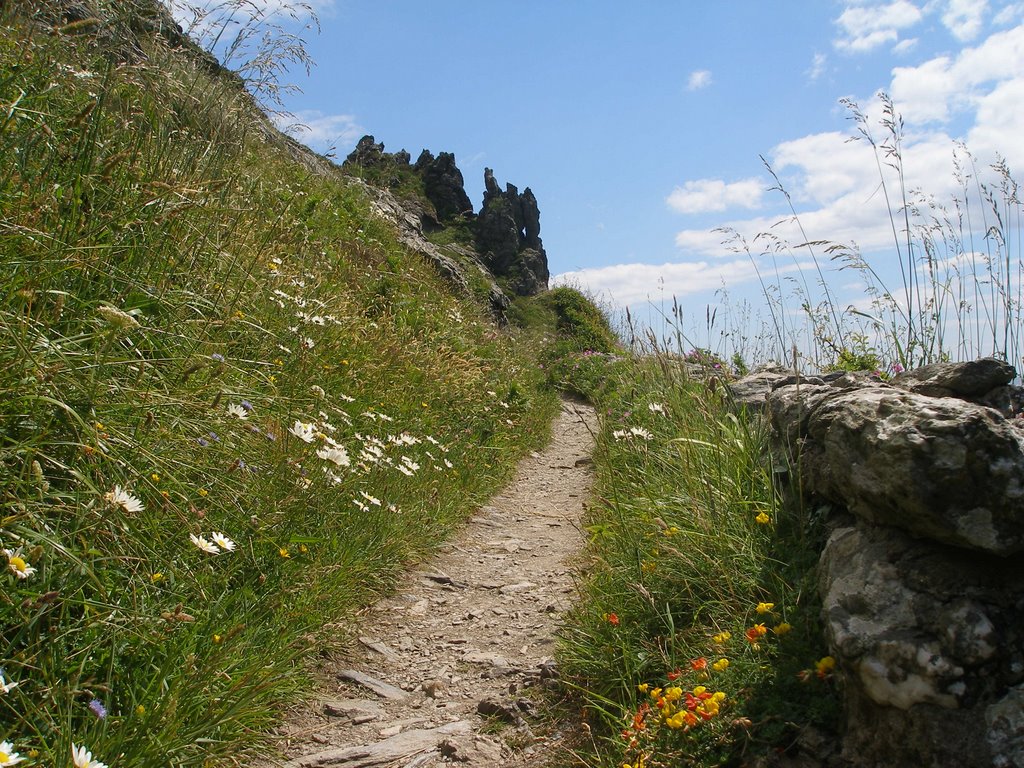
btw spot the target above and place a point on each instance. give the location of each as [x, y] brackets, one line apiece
[162, 265]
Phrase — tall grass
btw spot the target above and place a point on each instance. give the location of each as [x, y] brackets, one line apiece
[233, 408]
[951, 286]
[691, 550]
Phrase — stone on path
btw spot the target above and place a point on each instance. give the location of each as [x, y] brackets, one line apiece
[382, 689]
[395, 749]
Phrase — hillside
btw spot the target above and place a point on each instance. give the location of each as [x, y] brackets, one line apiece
[243, 390]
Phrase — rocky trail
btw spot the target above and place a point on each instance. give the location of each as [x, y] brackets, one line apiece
[445, 670]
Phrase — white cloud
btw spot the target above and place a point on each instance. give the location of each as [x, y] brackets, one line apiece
[700, 78]
[998, 126]
[963, 18]
[835, 185]
[629, 284]
[866, 27]
[706, 195]
[319, 131]
[936, 89]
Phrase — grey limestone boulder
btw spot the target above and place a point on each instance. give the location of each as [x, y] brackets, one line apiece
[929, 639]
[940, 468]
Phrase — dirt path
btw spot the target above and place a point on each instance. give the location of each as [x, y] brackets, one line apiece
[464, 642]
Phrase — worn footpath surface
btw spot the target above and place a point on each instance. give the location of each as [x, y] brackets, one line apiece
[445, 671]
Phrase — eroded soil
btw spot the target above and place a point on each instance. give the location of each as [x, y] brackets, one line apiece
[445, 671]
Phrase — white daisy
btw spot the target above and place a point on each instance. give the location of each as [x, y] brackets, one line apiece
[82, 758]
[17, 565]
[119, 497]
[204, 544]
[656, 408]
[237, 411]
[640, 432]
[8, 756]
[305, 432]
[337, 455]
[372, 499]
[222, 541]
[7, 687]
[404, 470]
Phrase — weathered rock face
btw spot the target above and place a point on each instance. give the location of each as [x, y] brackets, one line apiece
[931, 643]
[940, 468]
[508, 235]
[922, 579]
[408, 220]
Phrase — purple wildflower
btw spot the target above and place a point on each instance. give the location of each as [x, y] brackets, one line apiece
[98, 709]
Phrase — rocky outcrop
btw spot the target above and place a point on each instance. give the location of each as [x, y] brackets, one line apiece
[443, 185]
[506, 232]
[439, 178]
[921, 578]
[367, 154]
[508, 236]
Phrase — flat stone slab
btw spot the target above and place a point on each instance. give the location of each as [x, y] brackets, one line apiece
[396, 749]
[382, 689]
[361, 710]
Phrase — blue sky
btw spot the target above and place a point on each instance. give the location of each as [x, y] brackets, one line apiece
[639, 126]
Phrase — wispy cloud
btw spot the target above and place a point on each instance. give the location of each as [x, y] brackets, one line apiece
[964, 18]
[817, 68]
[904, 46]
[319, 131]
[698, 79]
[1011, 14]
[708, 195]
